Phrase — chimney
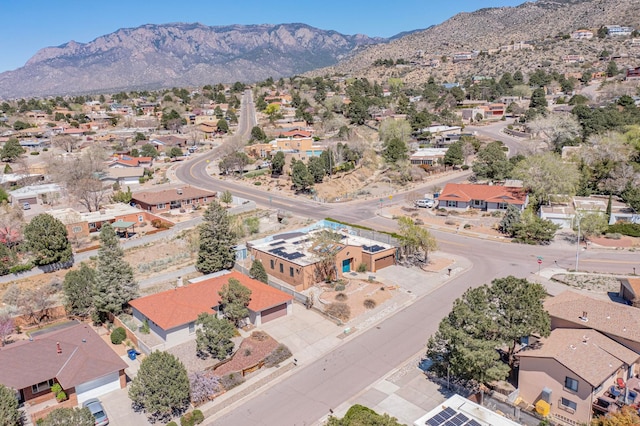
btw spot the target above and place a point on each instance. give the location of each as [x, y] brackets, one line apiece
[58, 348]
[179, 191]
[179, 283]
[584, 317]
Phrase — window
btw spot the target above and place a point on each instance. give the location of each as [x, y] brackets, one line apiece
[571, 384]
[281, 268]
[568, 404]
[290, 271]
[502, 206]
[160, 206]
[478, 202]
[92, 225]
[272, 264]
[452, 203]
[77, 229]
[42, 386]
[192, 327]
[140, 218]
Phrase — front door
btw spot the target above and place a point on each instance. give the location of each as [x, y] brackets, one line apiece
[346, 265]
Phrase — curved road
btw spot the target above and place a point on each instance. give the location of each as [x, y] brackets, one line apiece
[306, 396]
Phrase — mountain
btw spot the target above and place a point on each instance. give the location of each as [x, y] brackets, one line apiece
[489, 28]
[178, 55]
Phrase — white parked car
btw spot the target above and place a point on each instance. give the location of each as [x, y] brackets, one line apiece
[426, 203]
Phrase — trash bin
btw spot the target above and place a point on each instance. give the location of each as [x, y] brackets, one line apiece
[132, 354]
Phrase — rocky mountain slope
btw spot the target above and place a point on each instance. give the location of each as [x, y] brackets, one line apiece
[176, 55]
[491, 28]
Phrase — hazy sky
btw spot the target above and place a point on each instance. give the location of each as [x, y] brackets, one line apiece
[27, 26]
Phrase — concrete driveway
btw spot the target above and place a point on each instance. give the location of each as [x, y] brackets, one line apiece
[118, 407]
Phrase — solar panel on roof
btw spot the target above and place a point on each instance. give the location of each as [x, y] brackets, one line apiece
[277, 243]
[473, 423]
[296, 255]
[458, 420]
[440, 418]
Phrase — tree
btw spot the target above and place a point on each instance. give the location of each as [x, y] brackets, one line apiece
[47, 240]
[257, 272]
[222, 126]
[484, 320]
[510, 221]
[161, 387]
[414, 237]
[316, 168]
[557, 129]
[7, 326]
[454, 155]
[234, 299]
[78, 287]
[627, 416]
[9, 413]
[359, 415]
[7, 258]
[394, 129]
[492, 163]
[226, 197]
[612, 69]
[214, 336]
[258, 134]
[532, 229]
[272, 111]
[300, 176]
[115, 285]
[546, 175]
[203, 386]
[277, 163]
[69, 416]
[538, 99]
[217, 242]
[148, 150]
[175, 152]
[395, 150]
[11, 150]
[591, 224]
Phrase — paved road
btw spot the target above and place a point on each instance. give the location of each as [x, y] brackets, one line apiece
[494, 131]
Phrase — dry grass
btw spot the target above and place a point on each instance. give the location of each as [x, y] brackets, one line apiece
[342, 311]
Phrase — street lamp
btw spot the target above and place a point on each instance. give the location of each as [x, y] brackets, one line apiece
[578, 243]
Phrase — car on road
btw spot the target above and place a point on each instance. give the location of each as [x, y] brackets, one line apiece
[97, 411]
[426, 203]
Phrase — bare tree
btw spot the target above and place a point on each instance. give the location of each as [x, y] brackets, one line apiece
[556, 129]
[67, 142]
[36, 303]
[81, 176]
[7, 326]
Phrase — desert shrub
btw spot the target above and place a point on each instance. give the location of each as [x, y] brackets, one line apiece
[187, 420]
[23, 267]
[260, 336]
[342, 311]
[145, 329]
[231, 380]
[118, 335]
[613, 236]
[279, 354]
[341, 297]
[340, 287]
[450, 222]
[630, 229]
[362, 267]
[247, 352]
[203, 385]
[369, 303]
[467, 226]
[257, 183]
[172, 423]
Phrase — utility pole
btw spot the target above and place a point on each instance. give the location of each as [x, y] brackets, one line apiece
[578, 244]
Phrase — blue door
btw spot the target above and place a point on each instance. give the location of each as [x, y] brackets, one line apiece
[346, 265]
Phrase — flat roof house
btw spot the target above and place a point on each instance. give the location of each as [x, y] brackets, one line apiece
[171, 314]
[460, 196]
[165, 200]
[75, 357]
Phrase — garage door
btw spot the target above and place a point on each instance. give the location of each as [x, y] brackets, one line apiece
[31, 200]
[383, 262]
[273, 313]
[98, 387]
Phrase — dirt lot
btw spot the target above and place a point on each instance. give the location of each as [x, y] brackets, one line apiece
[357, 291]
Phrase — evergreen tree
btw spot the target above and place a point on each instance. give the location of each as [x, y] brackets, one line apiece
[277, 163]
[214, 337]
[9, 413]
[300, 176]
[234, 299]
[161, 387]
[316, 168]
[47, 240]
[538, 99]
[510, 221]
[11, 150]
[454, 155]
[115, 284]
[258, 272]
[217, 242]
[492, 163]
[395, 150]
[7, 259]
[79, 286]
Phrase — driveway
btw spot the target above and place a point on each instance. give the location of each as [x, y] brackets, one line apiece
[118, 407]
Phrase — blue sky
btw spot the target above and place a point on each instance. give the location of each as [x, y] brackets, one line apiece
[28, 26]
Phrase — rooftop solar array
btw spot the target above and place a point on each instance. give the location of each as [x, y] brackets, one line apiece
[373, 249]
[449, 417]
[279, 251]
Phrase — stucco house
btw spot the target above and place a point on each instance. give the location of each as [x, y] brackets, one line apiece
[172, 314]
[75, 356]
[460, 196]
[165, 200]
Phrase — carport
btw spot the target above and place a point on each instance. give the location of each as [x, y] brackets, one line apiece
[122, 227]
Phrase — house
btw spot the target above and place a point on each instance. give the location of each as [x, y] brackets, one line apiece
[75, 356]
[458, 410]
[633, 74]
[172, 314]
[35, 194]
[462, 56]
[127, 161]
[73, 221]
[298, 258]
[582, 34]
[165, 143]
[165, 200]
[460, 196]
[572, 59]
[123, 176]
[617, 30]
[428, 156]
[630, 291]
[564, 214]
[571, 370]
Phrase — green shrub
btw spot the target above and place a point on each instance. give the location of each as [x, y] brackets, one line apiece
[145, 327]
[34, 153]
[613, 236]
[341, 297]
[197, 416]
[118, 335]
[257, 183]
[342, 311]
[279, 354]
[231, 380]
[187, 420]
[172, 423]
[465, 167]
[56, 388]
[23, 267]
[340, 287]
[630, 229]
[362, 267]
[467, 226]
[61, 396]
[369, 303]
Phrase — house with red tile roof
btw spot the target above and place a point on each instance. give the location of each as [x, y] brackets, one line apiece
[127, 161]
[74, 356]
[172, 314]
[461, 196]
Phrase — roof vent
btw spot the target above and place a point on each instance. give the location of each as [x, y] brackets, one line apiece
[179, 191]
[584, 317]
[585, 339]
[572, 347]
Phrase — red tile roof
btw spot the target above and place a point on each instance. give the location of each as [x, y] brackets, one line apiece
[297, 133]
[489, 193]
[84, 357]
[182, 305]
